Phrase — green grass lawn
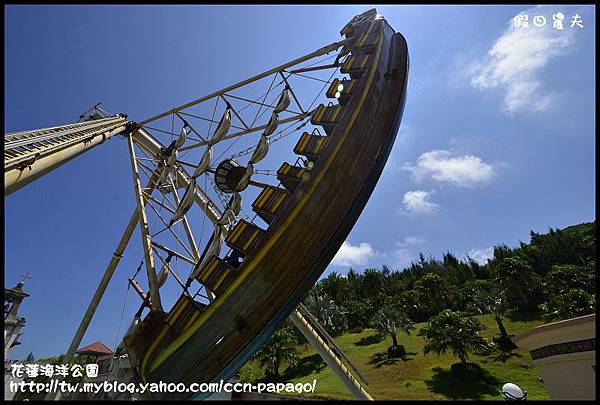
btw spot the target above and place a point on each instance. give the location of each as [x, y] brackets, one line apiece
[416, 375]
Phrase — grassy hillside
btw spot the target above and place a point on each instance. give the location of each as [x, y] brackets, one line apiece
[417, 376]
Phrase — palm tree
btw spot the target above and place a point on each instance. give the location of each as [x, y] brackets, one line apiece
[327, 312]
[391, 319]
[279, 349]
[492, 301]
[489, 300]
[454, 331]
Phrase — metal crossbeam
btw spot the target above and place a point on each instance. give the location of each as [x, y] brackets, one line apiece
[297, 117]
[322, 51]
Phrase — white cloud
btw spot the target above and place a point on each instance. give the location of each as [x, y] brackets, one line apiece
[417, 202]
[353, 255]
[404, 256]
[413, 241]
[403, 252]
[516, 61]
[481, 256]
[441, 166]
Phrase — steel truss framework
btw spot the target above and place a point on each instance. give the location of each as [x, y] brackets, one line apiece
[201, 117]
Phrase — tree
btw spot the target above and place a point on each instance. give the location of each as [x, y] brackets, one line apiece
[353, 281]
[373, 282]
[571, 291]
[503, 252]
[455, 270]
[359, 313]
[336, 286]
[515, 274]
[414, 304]
[562, 278]
[571, 304]
[60, 360]
[279, 349]
[330, 315]
[571, 245]
[491, 301]
[454, 331]
[394, 283]
[488, 299]
[391, 319]
[437, 292]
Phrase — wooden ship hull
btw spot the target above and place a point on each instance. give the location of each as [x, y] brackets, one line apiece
[309, 218]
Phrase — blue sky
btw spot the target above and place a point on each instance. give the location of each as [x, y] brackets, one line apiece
[497, 136]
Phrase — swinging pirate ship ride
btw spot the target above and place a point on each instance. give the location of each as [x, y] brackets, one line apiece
[308, 215]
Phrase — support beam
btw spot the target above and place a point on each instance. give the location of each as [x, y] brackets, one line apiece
[313, 68]
[155, 303]
[298, 117]
[292, 91]
[329, 356]
[167, 227]
[186, 225]
[175, 275]
[190, 236]
[187, 114]
[255, 102]
[171, 210]
[151, 145]
[104, 281]
[189, 125]
[173, 252]
[322, 51]
[235, 112]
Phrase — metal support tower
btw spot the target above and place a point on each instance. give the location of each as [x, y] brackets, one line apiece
[31, 154]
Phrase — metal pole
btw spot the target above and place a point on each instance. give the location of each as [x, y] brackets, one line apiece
[100, 290]
[14, 179]
[155, 303]
[322, 51]
[329, 356]
[190, 236]
[186, 225]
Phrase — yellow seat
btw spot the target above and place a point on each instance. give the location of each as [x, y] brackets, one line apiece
[344, 95]
[216, 275]
[309, 145]
[268, 203]
[356, 65]
[244, 236]
[291, 176]
[327, 116]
